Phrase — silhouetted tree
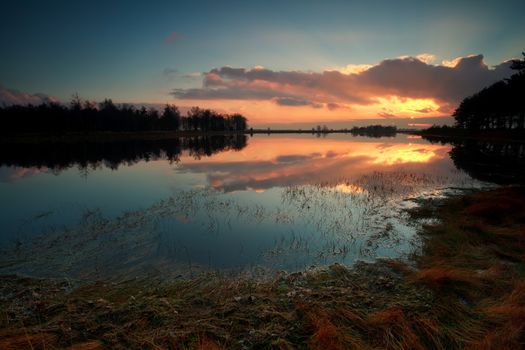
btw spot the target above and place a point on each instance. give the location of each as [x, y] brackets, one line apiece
[208, 120]
[499, 106]
[519, 65]
[170, 119]
[86, 116]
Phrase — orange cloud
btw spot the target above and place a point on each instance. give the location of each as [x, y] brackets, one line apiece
[353, 68]
[428, 58]
[405, 86]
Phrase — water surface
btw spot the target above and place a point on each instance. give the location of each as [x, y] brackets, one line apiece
[229, 204]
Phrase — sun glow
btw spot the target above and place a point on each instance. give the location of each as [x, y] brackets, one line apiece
[278, 160]
[264, 112]
[407, 153]
[409, 106]
[352, 68]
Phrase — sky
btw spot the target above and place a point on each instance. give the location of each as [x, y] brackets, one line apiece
[277, 62]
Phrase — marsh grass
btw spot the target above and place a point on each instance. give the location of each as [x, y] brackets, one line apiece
[314, 224]
[466, 289]
[290, 311]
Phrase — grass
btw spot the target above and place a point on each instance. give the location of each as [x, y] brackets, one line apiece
[466, 289]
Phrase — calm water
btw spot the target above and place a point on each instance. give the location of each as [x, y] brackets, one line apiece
[252, 205]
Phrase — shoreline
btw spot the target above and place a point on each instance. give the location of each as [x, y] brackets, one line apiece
[461, 135]
[467, 289]
[77, 137]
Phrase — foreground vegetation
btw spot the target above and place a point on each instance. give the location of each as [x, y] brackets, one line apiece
[466, 289]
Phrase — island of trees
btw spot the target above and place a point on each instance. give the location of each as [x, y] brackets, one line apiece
[370, 130]
[87, 116]
[374, 130]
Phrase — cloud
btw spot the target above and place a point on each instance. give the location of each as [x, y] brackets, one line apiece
[292, 101]
[333, 106]
[170, 74]
[452, 63]
[353, 68]
[294, 158]
[169, 71]
[404, 77]
[386, 115]
[424, 110]
[413, 78]
[231, 93]
[172, 37]
[446, 109]
[192, 75]
[428, 58]
[14, 97]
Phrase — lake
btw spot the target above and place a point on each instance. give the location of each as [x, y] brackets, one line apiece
[227, 204]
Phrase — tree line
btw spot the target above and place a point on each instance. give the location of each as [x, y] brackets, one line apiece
[370, 130]
[499, 106]
[87, 116]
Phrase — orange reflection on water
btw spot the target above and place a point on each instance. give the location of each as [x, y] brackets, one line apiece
[407, 153]
[349, 188]
[270, 161]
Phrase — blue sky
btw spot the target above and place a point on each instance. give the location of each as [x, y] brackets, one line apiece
[118, 49]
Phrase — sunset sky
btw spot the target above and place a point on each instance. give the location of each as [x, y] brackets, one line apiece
[275, 62]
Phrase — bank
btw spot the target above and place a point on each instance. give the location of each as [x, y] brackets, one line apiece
[464, 289]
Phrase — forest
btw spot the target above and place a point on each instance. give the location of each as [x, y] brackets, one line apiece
[87, 116]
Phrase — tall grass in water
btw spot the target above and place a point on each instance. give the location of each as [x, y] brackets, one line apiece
[466, 291]
[339, 221]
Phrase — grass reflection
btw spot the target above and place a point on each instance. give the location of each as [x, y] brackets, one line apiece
[205, 229]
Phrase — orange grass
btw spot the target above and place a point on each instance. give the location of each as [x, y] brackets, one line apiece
[392, 330]
[466, 290]
[476, 253]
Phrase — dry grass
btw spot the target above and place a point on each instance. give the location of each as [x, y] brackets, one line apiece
[476, 255]
[21, 340]
[393, 330]
[466, 290]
